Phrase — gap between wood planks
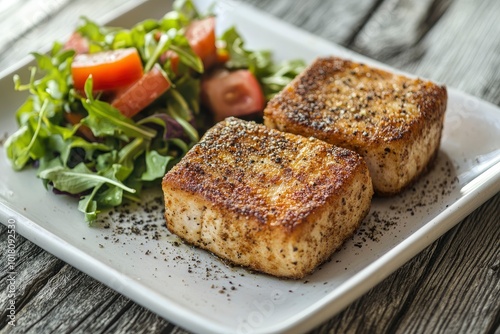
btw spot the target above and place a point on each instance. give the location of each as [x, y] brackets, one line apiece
[450, 277]
[367, 17]
[396, 26]
[415, 287]
[118, 315]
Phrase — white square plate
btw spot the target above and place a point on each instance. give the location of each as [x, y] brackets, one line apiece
[131, 251]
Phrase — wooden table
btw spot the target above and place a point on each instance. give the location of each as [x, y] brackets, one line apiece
[453, 286]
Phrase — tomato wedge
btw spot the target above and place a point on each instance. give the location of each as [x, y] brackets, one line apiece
[174, 60]
[201, 37]
[142, 93]
[78, 43]
[235, 93]
[109, 69]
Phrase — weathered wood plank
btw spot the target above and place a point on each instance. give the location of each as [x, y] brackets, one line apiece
[33, 267]
[469, 61]
[383, 304]
[459, 47]
[452, 286]
[334, 20]
[62, 303]
[463, 279]
[396, 26]
[106, 315]
[137, 320]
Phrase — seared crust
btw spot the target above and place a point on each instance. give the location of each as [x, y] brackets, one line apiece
[393, 121]
[272, 201]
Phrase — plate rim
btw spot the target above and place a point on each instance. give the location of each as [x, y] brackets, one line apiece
[320, 310]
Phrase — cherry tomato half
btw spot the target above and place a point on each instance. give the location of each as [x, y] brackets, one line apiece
[235, 93]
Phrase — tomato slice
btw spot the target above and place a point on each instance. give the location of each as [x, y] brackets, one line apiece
[109, 69]
[201, 37]
[78, 43]
[142, 93]
[174, 60]
[235, 93]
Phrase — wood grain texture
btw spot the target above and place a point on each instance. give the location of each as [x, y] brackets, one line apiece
[34, 267]
[460, 48]
[453, 286]
[396, 26]
[335, 20]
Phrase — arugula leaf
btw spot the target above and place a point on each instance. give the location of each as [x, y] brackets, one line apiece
[190, 89]
[131, 152]
[64, 148]
[113, 196]
[280, 75]
[88, 205]
[238, 56]
[105, 120]
[16, 147]
[181, 47]
[272, 77]
[24, 144]
[156, 166]
[188, 128]
[105, 160]
[161, 47]
[79, 179]
[94, 33]
[186, 10]
[49, 95]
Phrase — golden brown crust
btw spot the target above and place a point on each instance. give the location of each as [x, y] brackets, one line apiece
[265, 199]
[236, 160]
[364, 109]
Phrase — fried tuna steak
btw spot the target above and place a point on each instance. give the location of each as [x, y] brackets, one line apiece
[272, 201]
[393, 121]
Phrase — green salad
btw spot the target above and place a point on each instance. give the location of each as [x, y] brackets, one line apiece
[111, 110]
